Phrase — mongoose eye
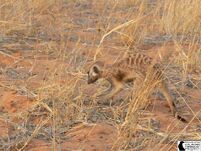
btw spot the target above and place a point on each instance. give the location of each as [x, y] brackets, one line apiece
[96, 70]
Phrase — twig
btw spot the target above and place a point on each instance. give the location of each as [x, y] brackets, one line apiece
[113, 30]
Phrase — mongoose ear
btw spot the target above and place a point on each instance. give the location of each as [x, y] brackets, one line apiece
[96, 69]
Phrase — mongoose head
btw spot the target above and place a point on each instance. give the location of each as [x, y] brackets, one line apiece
[94, 73]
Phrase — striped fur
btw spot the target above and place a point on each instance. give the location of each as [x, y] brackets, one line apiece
[135, 66]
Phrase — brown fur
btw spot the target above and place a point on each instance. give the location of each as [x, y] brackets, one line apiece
[133, 67]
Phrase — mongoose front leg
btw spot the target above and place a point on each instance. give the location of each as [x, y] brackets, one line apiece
[116, 86]
[107, 91]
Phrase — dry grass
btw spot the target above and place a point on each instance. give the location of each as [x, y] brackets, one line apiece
[52, 32]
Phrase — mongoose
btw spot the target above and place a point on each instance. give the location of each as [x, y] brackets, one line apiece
[132, 67]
